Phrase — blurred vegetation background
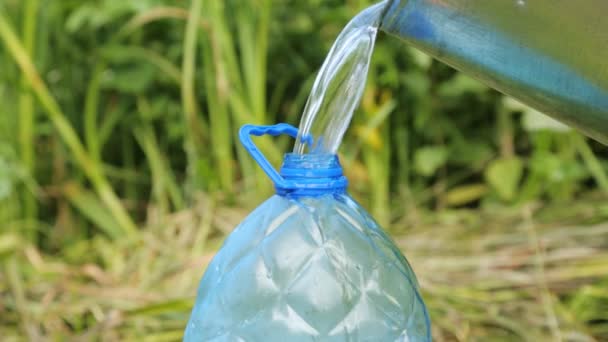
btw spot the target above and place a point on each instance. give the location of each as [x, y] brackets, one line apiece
[120, 171]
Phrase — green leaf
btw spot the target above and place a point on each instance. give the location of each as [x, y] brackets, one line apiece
[464, 194]
[460, 84]
[133, 79]
[470, 152]
[9, 243]
[418, 83]
[6, 180]
[428, 159]
[96, 14]
[533, 120]
[504, 175]
[547, 165]
[421, 59]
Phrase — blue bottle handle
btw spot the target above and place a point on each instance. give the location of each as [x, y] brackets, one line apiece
[245, 134]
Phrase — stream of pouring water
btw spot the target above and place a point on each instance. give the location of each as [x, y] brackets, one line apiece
[339, 85]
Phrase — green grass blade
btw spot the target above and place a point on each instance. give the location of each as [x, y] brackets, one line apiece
[27, 112]
[90, 207]
[91, 103]
[215, 77]
[191, 120]
[164, 183]
[161, 308]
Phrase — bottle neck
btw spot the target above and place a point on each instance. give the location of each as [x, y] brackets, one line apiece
[310, 175]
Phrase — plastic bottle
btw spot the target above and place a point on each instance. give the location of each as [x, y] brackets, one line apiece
[309, 264]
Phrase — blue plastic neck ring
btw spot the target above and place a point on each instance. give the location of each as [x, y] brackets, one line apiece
[301, 174]
[311, 174]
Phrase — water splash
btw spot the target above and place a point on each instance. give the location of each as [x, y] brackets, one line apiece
[339, 85]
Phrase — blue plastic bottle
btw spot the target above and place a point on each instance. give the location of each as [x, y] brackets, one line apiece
[309, 264]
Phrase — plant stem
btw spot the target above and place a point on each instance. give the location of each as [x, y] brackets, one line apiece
[188, 96]
[217, 84]
[591, 161]
[91, 131]
[27, 115]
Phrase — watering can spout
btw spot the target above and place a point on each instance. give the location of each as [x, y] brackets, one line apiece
[549, 54]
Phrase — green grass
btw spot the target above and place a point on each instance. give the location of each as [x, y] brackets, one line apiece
[64, 128]
[121, 171]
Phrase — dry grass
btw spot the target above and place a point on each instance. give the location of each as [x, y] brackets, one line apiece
[501, 274]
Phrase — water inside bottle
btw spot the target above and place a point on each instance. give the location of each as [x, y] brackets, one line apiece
[339, 84]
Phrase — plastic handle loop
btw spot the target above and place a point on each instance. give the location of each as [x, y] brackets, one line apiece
[274, 130]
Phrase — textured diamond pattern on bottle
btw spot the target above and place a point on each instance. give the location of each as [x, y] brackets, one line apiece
[309, 269]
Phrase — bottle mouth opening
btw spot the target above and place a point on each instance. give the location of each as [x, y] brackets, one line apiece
[311, 166]
[311, 174]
